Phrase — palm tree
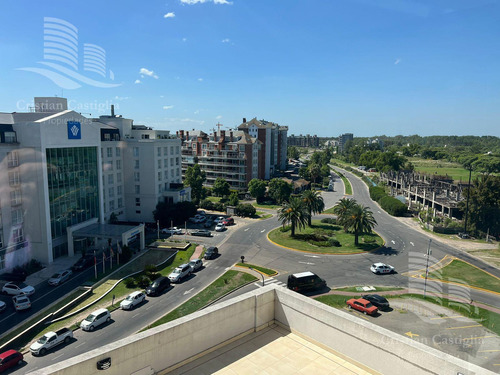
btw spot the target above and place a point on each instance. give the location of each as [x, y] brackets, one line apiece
[341, 209]
[295, 213]
[314, 203]
[360, 220]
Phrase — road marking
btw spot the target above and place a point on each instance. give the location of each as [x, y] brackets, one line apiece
[80, 345]
[412, 244]
[308, 263]
[394, 242]
[246, 229]
[476, 325]
[133, 316]
[411, 334]
[228, 268]
[187, 291]
[312, 256]
[60, 355]
[262, 231]
[487, 351]
[147, 308]
[379, 212]
[448, 317]
[477, 338]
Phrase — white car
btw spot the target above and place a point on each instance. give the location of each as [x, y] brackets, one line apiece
[195, 264]
[60, 277]
[220, 219]
[379, 268]
[95, 319]
[172, 230]
[14, 289]
[132, 300]
[220, 227]
[179, 273]
[21, 302]
[3, 306]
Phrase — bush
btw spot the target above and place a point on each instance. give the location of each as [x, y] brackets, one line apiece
[393, 206]
[207, 204]
[245, 210]
[126, 254]
[129, 283]
[219, 206]
[377, 193]
[329, 220]
[286, 228]
[142, 281]
[333, 242]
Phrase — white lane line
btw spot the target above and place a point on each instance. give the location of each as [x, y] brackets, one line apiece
[312, 256]
[412, 244]
[308, 263]
[262, 231]
[394, 242]
[228, 268]
[246, 229]
[133, 316]
[379, 212]
[147, 308]
[80, 345]
[60, 355]
[187, 291]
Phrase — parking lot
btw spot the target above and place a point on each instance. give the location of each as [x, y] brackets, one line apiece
[440, 328]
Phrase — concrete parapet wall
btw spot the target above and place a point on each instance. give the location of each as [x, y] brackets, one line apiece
[371, 346]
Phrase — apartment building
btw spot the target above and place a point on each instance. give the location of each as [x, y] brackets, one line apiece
[343, 139]
[303, 140]
[232, 155]
[60, 170]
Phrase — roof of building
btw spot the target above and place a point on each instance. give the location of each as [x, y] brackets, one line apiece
[6, 118]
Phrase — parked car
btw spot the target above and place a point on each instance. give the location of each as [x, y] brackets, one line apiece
[211, 252]
[201, 212]
[179, 273]
[208, 223]
[195, 264]
[21, 302]
[228, 221]
[3, 306]
[15, 288]
[50, 340]
[363, 305]
[220, 227]
[380, 302]
[132, 300]
[9, 359]
[172, 230]
[84, 262]
[219, 219]
[304, 281]
[379, 268]
[158, 286]
[60, 277]
[202, 233]
[95, 319]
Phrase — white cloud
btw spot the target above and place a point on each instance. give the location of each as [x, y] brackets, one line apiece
[162, 96]
[147, 72]
[196, 112]
[184, 39]
[218, 117]
[192, 2]
[227, 40]
[397, 61]
[137, 81]
[168, 106]
[121, 97]
[169, 15]
[184, 121]
[200, 79]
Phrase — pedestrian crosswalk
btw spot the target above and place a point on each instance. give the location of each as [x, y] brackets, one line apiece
[269, 281]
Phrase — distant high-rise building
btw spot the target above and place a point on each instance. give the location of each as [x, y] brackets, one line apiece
[303, 140]
[343, 139]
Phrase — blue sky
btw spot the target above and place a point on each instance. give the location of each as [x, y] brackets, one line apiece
[324, 67]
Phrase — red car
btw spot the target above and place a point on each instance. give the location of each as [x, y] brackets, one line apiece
[363, 305]
[228, 221]
[9, 359]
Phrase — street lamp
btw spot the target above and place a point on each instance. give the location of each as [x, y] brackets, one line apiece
[259, 274]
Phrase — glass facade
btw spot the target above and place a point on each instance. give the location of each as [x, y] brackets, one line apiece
[73, 190]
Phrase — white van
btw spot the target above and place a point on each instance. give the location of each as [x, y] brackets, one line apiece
[95, 319]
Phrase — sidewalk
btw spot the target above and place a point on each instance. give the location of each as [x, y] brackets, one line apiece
[44, 274]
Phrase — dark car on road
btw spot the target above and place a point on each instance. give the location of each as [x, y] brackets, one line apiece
[158, 286]
[202, 233]
[305, 281]
[211, 252]
[84, 262]
[9, 359]
[377, 301]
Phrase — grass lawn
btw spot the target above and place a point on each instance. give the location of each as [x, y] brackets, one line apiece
[214, 199]
[335, 300]
[346, 240]
[442, 168]
[347, 184]
[223, 285]
[328, 211]
[463, 273]
[266, 271]
[268, 206]
[488, 255]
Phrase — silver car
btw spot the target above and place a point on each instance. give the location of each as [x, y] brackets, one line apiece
[195, 264]
[60, 277]
[21, 302]
[179, 273]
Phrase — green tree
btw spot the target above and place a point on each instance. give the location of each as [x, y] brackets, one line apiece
[233, 199]
[359, 219]
[295, 213]
[257, 189]
[195, 178]
[313, 202]
[314, 171]
[279, 190]
[293, 152]
[341, 209]
[221, 187]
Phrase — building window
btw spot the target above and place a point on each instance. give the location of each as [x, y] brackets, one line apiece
[118, 177]
[12, 159]
[137, 176]
[159, 189]
[165, 187]
[159, 163]
[138, 202]
[18, 235]
[110, 179]
[15, 198]
[14, 178]
[136, 152]
[120, 202]
[118, 164]
[10, 137]
[138, 212]
[159, 176]
[111, 192]
[17, 216]
[158, 151]
[165, 151]
[171, 150]
[165, 175]
[177, 149]
[138, 189]
[165, 163]
[136, 165]
[172, 162]
[111, 205]
[178, 171]
[144, 136]
[118, 151]
[107, 137]
[177, 161]
[109, 152]
[119, 190]
[172, 173]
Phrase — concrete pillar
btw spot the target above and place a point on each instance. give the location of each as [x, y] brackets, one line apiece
[433, 198]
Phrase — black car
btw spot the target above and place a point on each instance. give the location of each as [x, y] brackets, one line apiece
[84, 262]
[377, 301]
[202, 233]
[305, 281]
[208, 223]
[158, 286]
[211, 253]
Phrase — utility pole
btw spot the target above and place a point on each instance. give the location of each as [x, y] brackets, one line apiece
[429, 252]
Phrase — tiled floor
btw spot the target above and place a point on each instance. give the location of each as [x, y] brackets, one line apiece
[273, 350]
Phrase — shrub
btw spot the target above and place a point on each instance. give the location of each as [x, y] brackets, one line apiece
[329, 220]
[129, 283]
[333, 242]
[245, 209]
[219, 206]
[377, 193]
[393, 206]
[142, 281]
[286, 228]
[207, 204]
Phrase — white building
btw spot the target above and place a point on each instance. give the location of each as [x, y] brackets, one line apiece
[59, 169]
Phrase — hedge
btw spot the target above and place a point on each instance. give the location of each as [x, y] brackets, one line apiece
[377, 193]
[393, 206]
